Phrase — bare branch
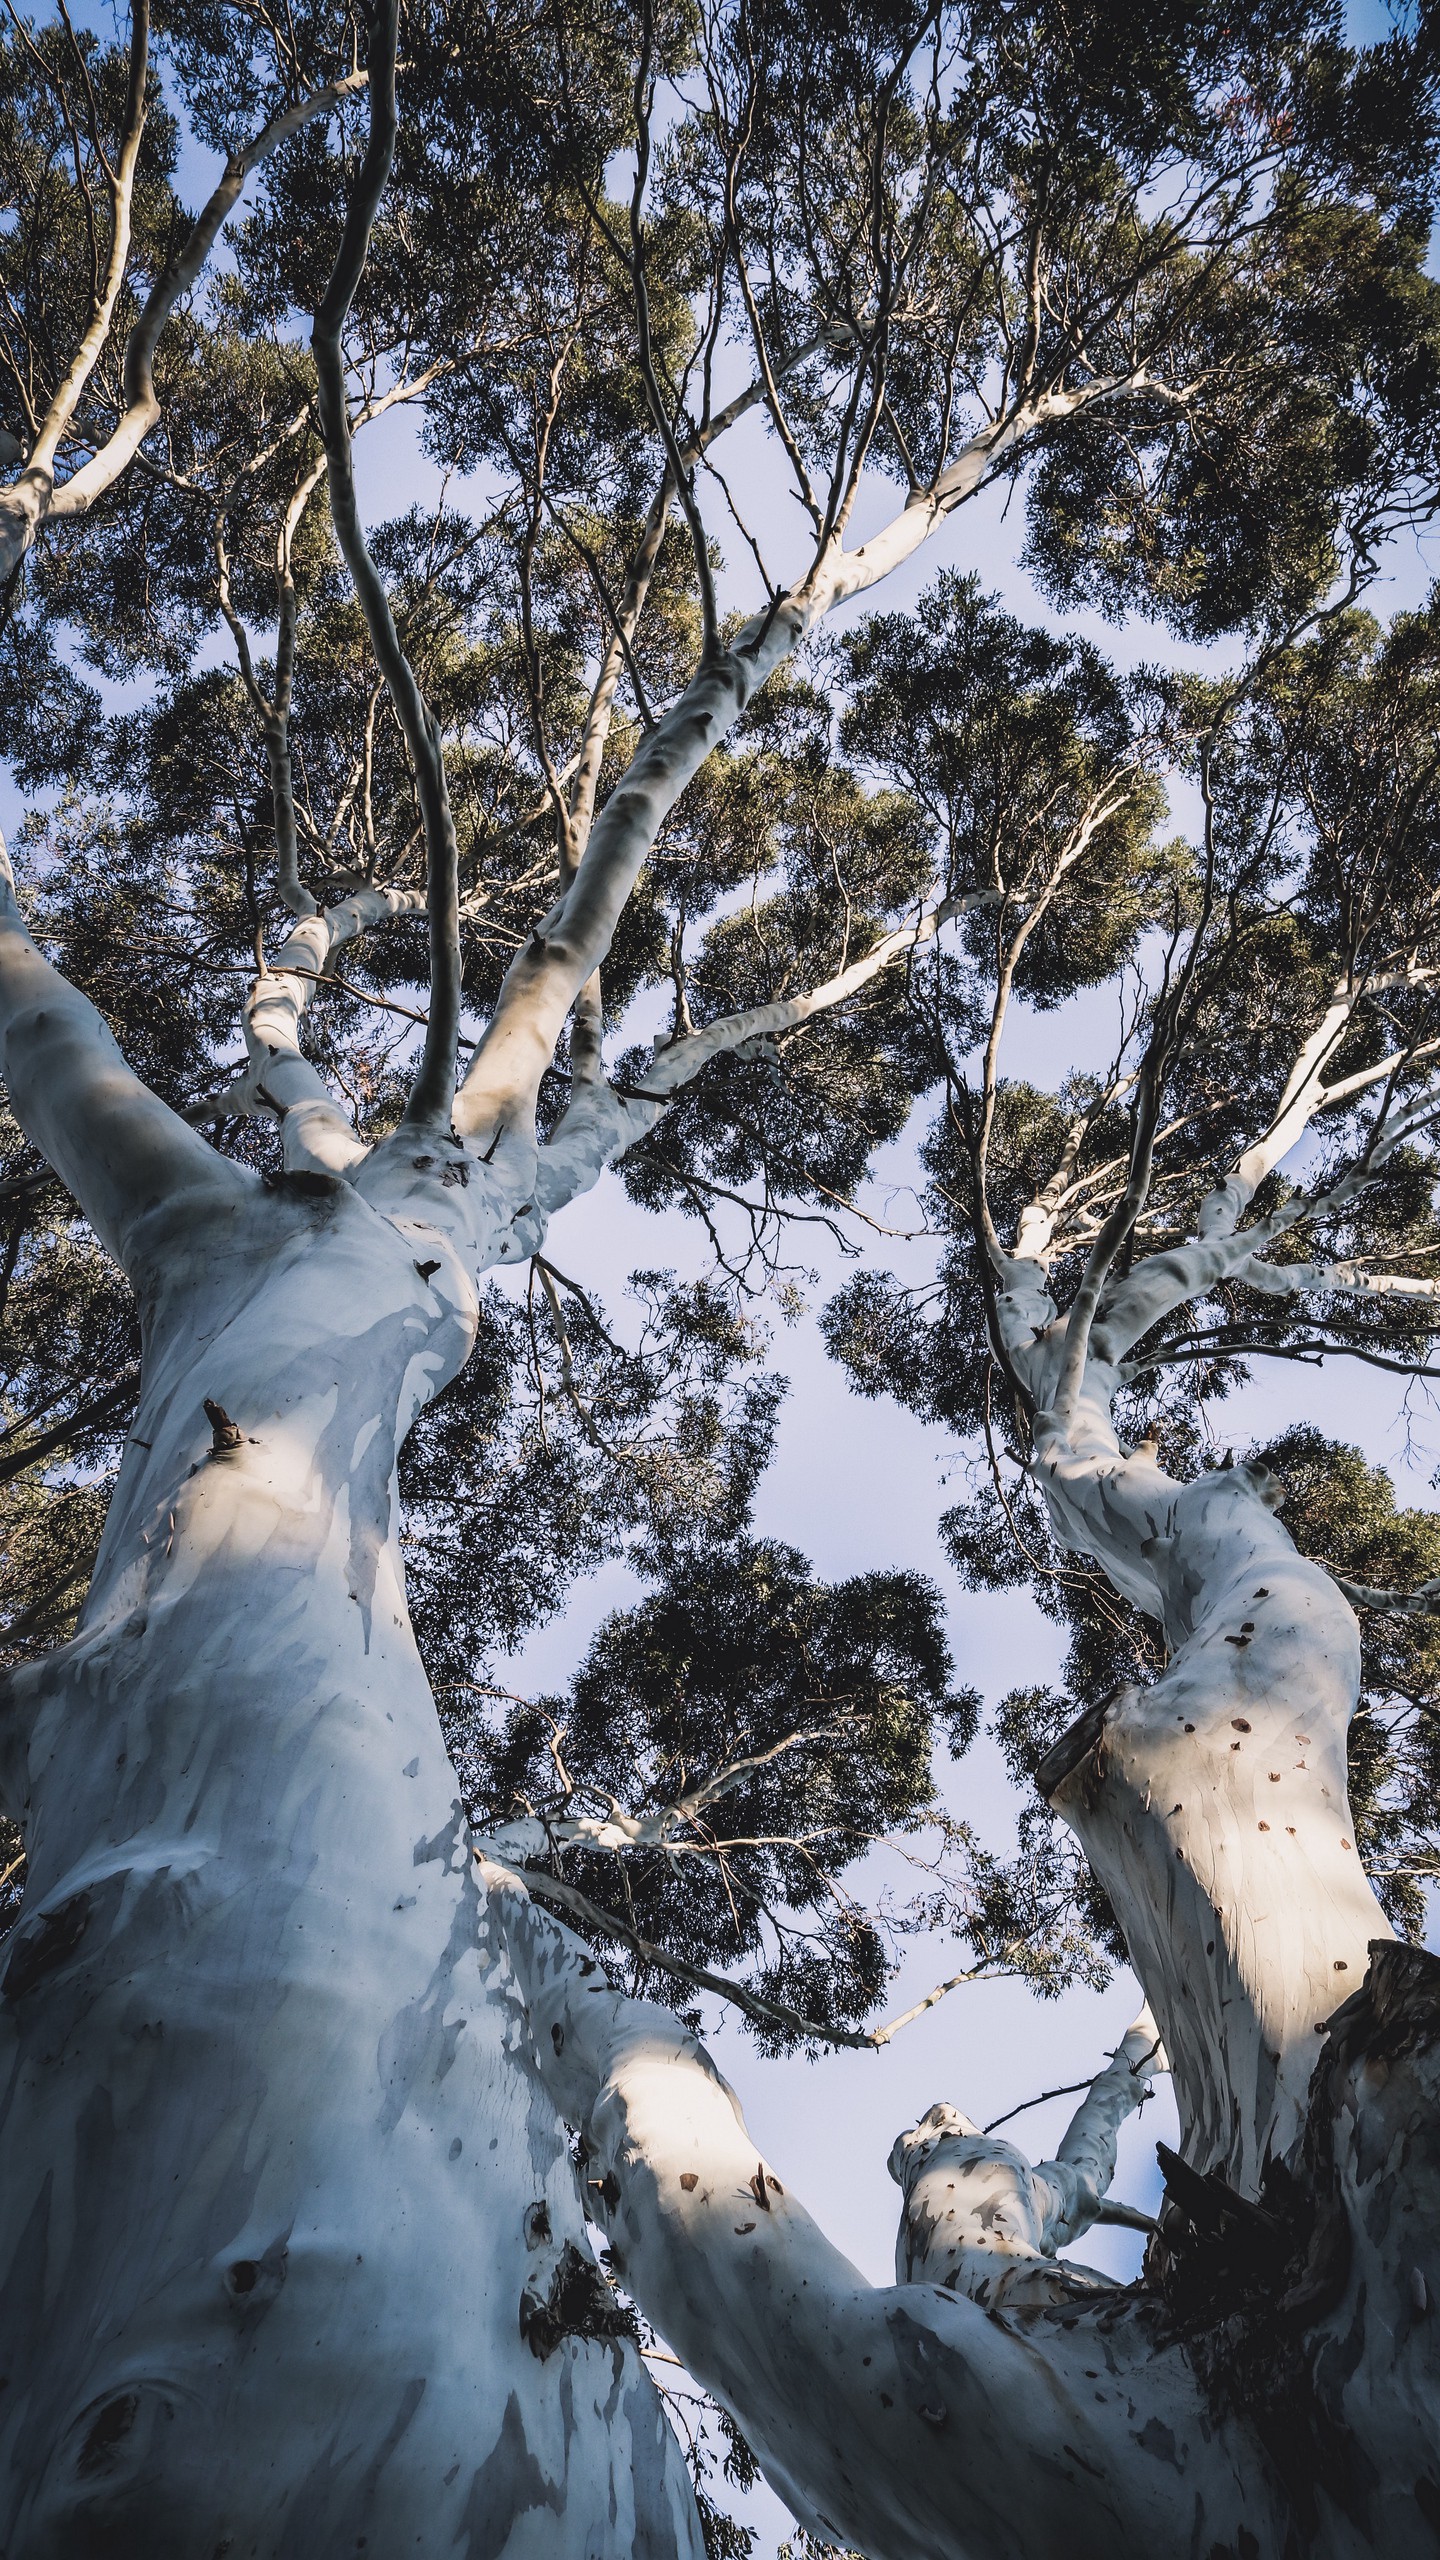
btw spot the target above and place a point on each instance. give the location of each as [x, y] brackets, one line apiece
[34, 499]
[113, 1142]
[750, 2003]
[24, 505]
[433, 1089]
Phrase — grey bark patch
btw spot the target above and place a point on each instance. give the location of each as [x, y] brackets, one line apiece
[1156, 2438]
[579, 2304]
[113, 2421]
[446, 1847]
[333, 2511]
[451, 2033]
[507, 2486]
[420, 2036]
[42, 1945]
[652, 2473]
[1427, 2499]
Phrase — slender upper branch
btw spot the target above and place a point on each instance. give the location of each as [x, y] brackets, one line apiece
[504, 1076]
[120, 179]
[603, 1121]
[1221, 1248]
[433, 1089]
[34, 498]
[317, 1136]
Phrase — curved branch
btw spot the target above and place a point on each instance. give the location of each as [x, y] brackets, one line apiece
[902, 2419]
[121, 1150]
[1347, 1279]
[1423, 1602]
[605, 1120]
[33, 500]
[317, 1136]
[494, 1862]
[1156, 1287]
[433, 1090]
[538, 1834]
[499, 1090]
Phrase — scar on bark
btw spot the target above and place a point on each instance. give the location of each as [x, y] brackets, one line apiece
[224, 1434]
[303, 1184]
[578, 2304]
[41, 1946]
[1075, 1744]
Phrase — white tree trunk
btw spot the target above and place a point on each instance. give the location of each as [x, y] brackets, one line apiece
[1274, 2389]
[291, 2259]
[1284, 2403]
[1213, 1803]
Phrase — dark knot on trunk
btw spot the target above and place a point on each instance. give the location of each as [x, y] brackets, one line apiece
[224, 1434]
[578, 2304]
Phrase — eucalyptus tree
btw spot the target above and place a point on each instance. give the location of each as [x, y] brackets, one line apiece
[295, 2249]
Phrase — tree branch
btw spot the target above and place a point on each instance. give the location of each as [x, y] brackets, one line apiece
[765, 2013]
[120, 1149]
[871, 2408]
[432, 1092]
[33, 499]
[317, 1136]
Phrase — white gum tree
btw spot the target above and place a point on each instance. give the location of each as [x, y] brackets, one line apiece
[1272, 2386]
[293, 2249]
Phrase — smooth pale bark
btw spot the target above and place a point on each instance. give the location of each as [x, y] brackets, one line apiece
[280, 2179]
[983, 2219]
[907, 2421]
[289, 2239]
[291, 2249]
[1213, 1804]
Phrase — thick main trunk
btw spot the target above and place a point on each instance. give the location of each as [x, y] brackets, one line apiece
[291, 2257]
[1213, 1803]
